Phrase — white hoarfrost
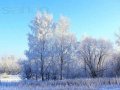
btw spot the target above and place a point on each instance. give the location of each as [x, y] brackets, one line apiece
[76, 84]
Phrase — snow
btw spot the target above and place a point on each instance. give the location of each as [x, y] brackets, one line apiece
[57, 88]
[14, 82]
[110, 87]
[10, 78]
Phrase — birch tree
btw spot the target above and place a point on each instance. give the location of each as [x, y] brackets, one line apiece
[41, 26]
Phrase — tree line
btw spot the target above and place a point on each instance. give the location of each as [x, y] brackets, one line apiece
[10, 65]
[55, 53]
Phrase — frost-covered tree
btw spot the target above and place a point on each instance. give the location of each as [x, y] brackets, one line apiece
[118, 38]
[41, 27]
[94, 53]
[51, 46]
[65, 40]
[26, 71]
[116, 56]
[115, 66]
[9, 65]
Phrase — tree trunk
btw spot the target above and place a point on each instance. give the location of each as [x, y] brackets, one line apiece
[61, 69]
[42, 67]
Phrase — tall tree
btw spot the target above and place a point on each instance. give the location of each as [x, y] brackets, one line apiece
[41, 26]
[64, 40]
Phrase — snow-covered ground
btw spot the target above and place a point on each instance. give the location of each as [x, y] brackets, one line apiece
[109, 87]
[14, 82]
[27, 87]
[9, 78]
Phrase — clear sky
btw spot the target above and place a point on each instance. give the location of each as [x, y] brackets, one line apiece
[97, 18]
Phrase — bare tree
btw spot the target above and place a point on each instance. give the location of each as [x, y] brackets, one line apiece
[94, 53]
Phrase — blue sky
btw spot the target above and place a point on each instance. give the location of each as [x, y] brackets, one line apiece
[97, 18]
